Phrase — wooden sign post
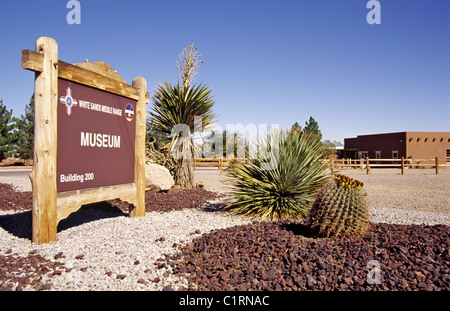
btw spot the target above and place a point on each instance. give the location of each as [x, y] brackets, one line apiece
[87, 148]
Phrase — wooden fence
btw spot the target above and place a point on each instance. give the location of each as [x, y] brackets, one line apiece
[362, 164]
[220, 163]
[367, 164]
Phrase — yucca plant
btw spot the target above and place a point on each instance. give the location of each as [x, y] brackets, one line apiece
[340, 209]
[175, 109]
[285, 188]
[178, 109]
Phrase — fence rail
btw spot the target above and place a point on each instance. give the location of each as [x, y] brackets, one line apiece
[363, 163]
[220, 163]
[367, 164]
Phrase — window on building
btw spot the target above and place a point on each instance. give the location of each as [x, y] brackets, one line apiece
[448, 156]
[363, 154]
[378, 155]
[394, 156]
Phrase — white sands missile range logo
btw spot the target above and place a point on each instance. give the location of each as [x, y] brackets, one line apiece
[129, 112]
[68, 101]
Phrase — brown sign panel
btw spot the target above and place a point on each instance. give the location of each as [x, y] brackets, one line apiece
[96, 138]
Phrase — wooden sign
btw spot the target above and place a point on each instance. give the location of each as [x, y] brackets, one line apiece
[96, 134]
[90, 129]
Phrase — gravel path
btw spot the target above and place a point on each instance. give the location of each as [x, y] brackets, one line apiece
[114, 252]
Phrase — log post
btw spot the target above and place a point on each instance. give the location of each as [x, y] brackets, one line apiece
[367, 166]
[403, 165]
[139, 166]
[43, 175]
[437, 165]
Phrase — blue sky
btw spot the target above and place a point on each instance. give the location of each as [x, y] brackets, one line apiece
[267, 61]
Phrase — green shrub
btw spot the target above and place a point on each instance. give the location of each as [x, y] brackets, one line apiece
[287, 189]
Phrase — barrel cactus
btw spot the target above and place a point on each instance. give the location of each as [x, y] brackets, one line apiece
[340, 209]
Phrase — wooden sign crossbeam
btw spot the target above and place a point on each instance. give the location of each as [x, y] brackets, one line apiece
[33, 61]
[50, 206]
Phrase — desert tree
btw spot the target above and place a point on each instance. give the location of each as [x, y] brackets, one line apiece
[180, 110]
[7, 126]
[312, 127]
[24, 134]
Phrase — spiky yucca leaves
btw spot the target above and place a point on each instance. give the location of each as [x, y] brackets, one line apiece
[340, 209]
[177, 109]
[177, 104]
[286, 187]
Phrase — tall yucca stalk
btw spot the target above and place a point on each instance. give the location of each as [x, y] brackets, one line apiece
[177, 109]
[286, 188]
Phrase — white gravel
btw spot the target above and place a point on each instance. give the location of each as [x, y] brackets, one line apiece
[19, 183]
[129, 247]
[120, 251]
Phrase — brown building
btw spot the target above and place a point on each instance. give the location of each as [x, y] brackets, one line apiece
[416, 145]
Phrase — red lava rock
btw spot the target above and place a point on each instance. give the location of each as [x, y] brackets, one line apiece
[270, 275]
[168, 288]
[79, 257]
[12, 200]
[142, 281]
[283, 256]
[156, 280]
[31, 268]
[171, 200]
[121, 276]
